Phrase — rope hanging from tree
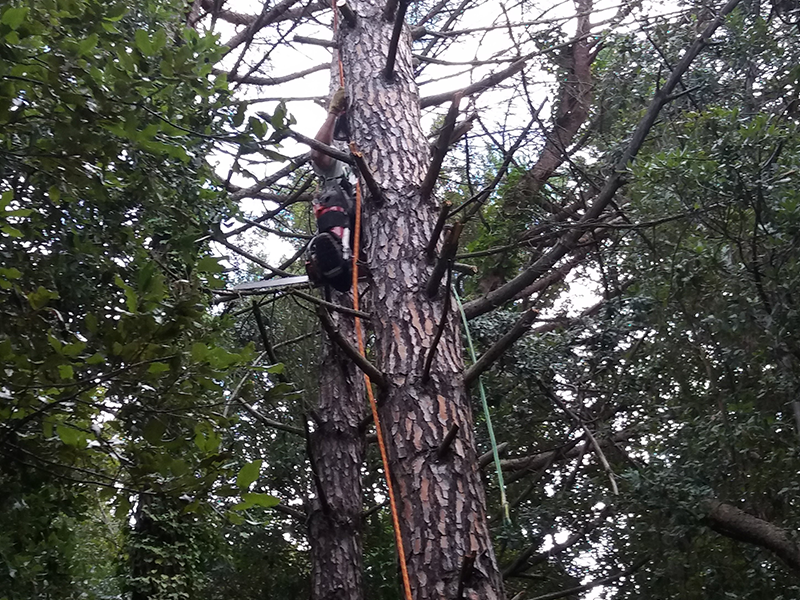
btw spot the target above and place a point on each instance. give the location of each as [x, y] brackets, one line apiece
[360, 339]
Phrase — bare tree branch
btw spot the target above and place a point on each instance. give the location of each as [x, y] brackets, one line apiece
[739, 525]
[261, 80]
[595, 583]
[520, 328]
[351, 351]
[507, 291]
[475, 88]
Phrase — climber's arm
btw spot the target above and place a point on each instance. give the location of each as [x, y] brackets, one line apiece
[338, 105]
[323, 162]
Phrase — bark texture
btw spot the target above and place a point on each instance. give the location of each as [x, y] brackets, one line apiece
[441, 501]
[336, 451]
[739, 525]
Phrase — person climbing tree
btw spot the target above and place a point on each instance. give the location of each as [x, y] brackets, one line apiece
[329, 253]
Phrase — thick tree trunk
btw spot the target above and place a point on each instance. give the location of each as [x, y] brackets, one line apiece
[440, 499]
[336, 449]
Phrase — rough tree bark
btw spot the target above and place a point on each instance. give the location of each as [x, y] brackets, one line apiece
[336, 451]
[441, 500]
[739, 525]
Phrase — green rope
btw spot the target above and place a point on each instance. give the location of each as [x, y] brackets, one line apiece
[495, 453]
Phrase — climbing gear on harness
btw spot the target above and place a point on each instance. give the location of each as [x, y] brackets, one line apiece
[328, 256]
[327, 263]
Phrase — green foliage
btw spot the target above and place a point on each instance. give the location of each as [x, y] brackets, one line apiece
[693, 358]
[113, 368]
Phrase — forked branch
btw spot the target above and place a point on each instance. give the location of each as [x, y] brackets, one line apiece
[569, 241]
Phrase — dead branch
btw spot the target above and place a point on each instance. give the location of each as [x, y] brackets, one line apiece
[320, 147]
[265, 18]
[227, 15]
[371, 511]
[399, 21]
[487, 458]
[571, 450]
[294, 340]
[262, 330]
[352, 353]
[374, 189]
[270, 422]
[475, 88]
[431, 13]
[444, 211]
[261, 80]
[580, 423]
[286, 510]
[326, 507]
[252, 258]
[278, 232]
[331, 306]
[448, 439]
[426, 371]
[593, 584]
[483, 194]
[301, 39]
[294, 164]
[449, 249]
[440, 149]
[454, 15]
[527, 559]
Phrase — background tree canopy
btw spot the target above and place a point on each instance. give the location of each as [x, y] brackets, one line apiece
[628, 264]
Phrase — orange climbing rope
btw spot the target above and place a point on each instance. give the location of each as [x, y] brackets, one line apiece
[368, 384]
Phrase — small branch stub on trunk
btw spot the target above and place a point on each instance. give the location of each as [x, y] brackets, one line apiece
[447, 441]
[444, 211]
[374, 189]
[347, 13]
[445, 259]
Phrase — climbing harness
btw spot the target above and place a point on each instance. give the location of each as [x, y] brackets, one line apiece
[368, 384]
[328, 255]
[487, 416]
